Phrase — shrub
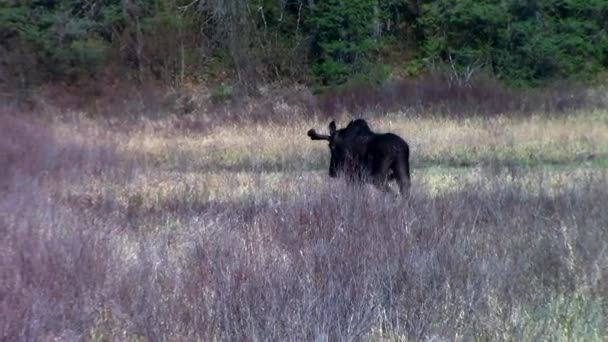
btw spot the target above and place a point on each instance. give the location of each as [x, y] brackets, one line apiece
[345, 42]
[526, 43]
[488, 261]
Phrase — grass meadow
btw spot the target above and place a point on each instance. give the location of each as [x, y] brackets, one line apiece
[232, 231]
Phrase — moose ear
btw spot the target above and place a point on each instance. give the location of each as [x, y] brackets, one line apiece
[332, 127]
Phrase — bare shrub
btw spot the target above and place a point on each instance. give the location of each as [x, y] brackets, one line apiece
[29, 148]
[435, 94]
[26, 145]
[52, 267]
[107, 95]
[195, 108]
[486, 260]
[475, 263]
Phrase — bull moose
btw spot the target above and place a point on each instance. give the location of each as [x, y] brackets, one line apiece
[363, 156]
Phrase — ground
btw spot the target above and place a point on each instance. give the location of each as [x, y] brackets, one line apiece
[235, 232]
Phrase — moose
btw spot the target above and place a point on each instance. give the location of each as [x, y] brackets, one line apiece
[363, 156]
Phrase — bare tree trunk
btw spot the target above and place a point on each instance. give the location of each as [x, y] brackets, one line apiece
[132, 12]
[376, 20]
[240, 51]
[235, 30]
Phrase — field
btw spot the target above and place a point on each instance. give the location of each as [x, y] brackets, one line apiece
[233, 231]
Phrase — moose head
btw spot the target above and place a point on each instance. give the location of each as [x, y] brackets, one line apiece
[338, 146]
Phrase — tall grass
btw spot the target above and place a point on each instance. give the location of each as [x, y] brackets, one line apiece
[484, 97]
[199, 108]
[324, 264]
[304, 260]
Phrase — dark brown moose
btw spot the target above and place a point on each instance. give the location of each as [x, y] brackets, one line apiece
[363, 156]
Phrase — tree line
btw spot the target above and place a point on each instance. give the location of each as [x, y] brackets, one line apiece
[319, 42]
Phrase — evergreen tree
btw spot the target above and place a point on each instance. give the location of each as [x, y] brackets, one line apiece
[345, 41]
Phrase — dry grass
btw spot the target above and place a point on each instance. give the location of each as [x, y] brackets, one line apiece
[235, 233]
[537, 139]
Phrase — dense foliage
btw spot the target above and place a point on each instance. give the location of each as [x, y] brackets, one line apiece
[327, 42]
[520, 40]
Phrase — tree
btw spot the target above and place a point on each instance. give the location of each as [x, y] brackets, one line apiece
[523, 41]
[344, 40]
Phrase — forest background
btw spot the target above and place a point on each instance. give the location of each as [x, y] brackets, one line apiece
[233, 46]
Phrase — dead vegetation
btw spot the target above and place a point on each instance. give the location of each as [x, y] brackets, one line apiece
[161, 232]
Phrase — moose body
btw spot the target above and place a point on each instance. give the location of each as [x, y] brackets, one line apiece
[363, 156]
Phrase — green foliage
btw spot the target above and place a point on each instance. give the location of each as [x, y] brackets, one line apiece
[331, 72]
[67, 38]
[324, 42]
[371, 73]
[345, 41]
[88, 52]
[565, 318]
[221, 93]
[414, 67]
[527, 42]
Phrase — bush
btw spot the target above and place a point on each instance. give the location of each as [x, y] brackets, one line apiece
[328, 263]
[63, 42]
[323, 43]
[434, 94]
[527, 43]
[345, 42]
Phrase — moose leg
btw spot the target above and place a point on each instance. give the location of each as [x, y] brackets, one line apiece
[381, 174]
[401, 170]
[383, 186]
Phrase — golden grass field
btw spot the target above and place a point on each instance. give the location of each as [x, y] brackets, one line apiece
[236, 232]
[236, 160]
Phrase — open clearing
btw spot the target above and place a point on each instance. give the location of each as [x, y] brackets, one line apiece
[238, 160]
[237, 233]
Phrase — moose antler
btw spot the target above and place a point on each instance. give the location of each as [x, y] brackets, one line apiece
[316, 136]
